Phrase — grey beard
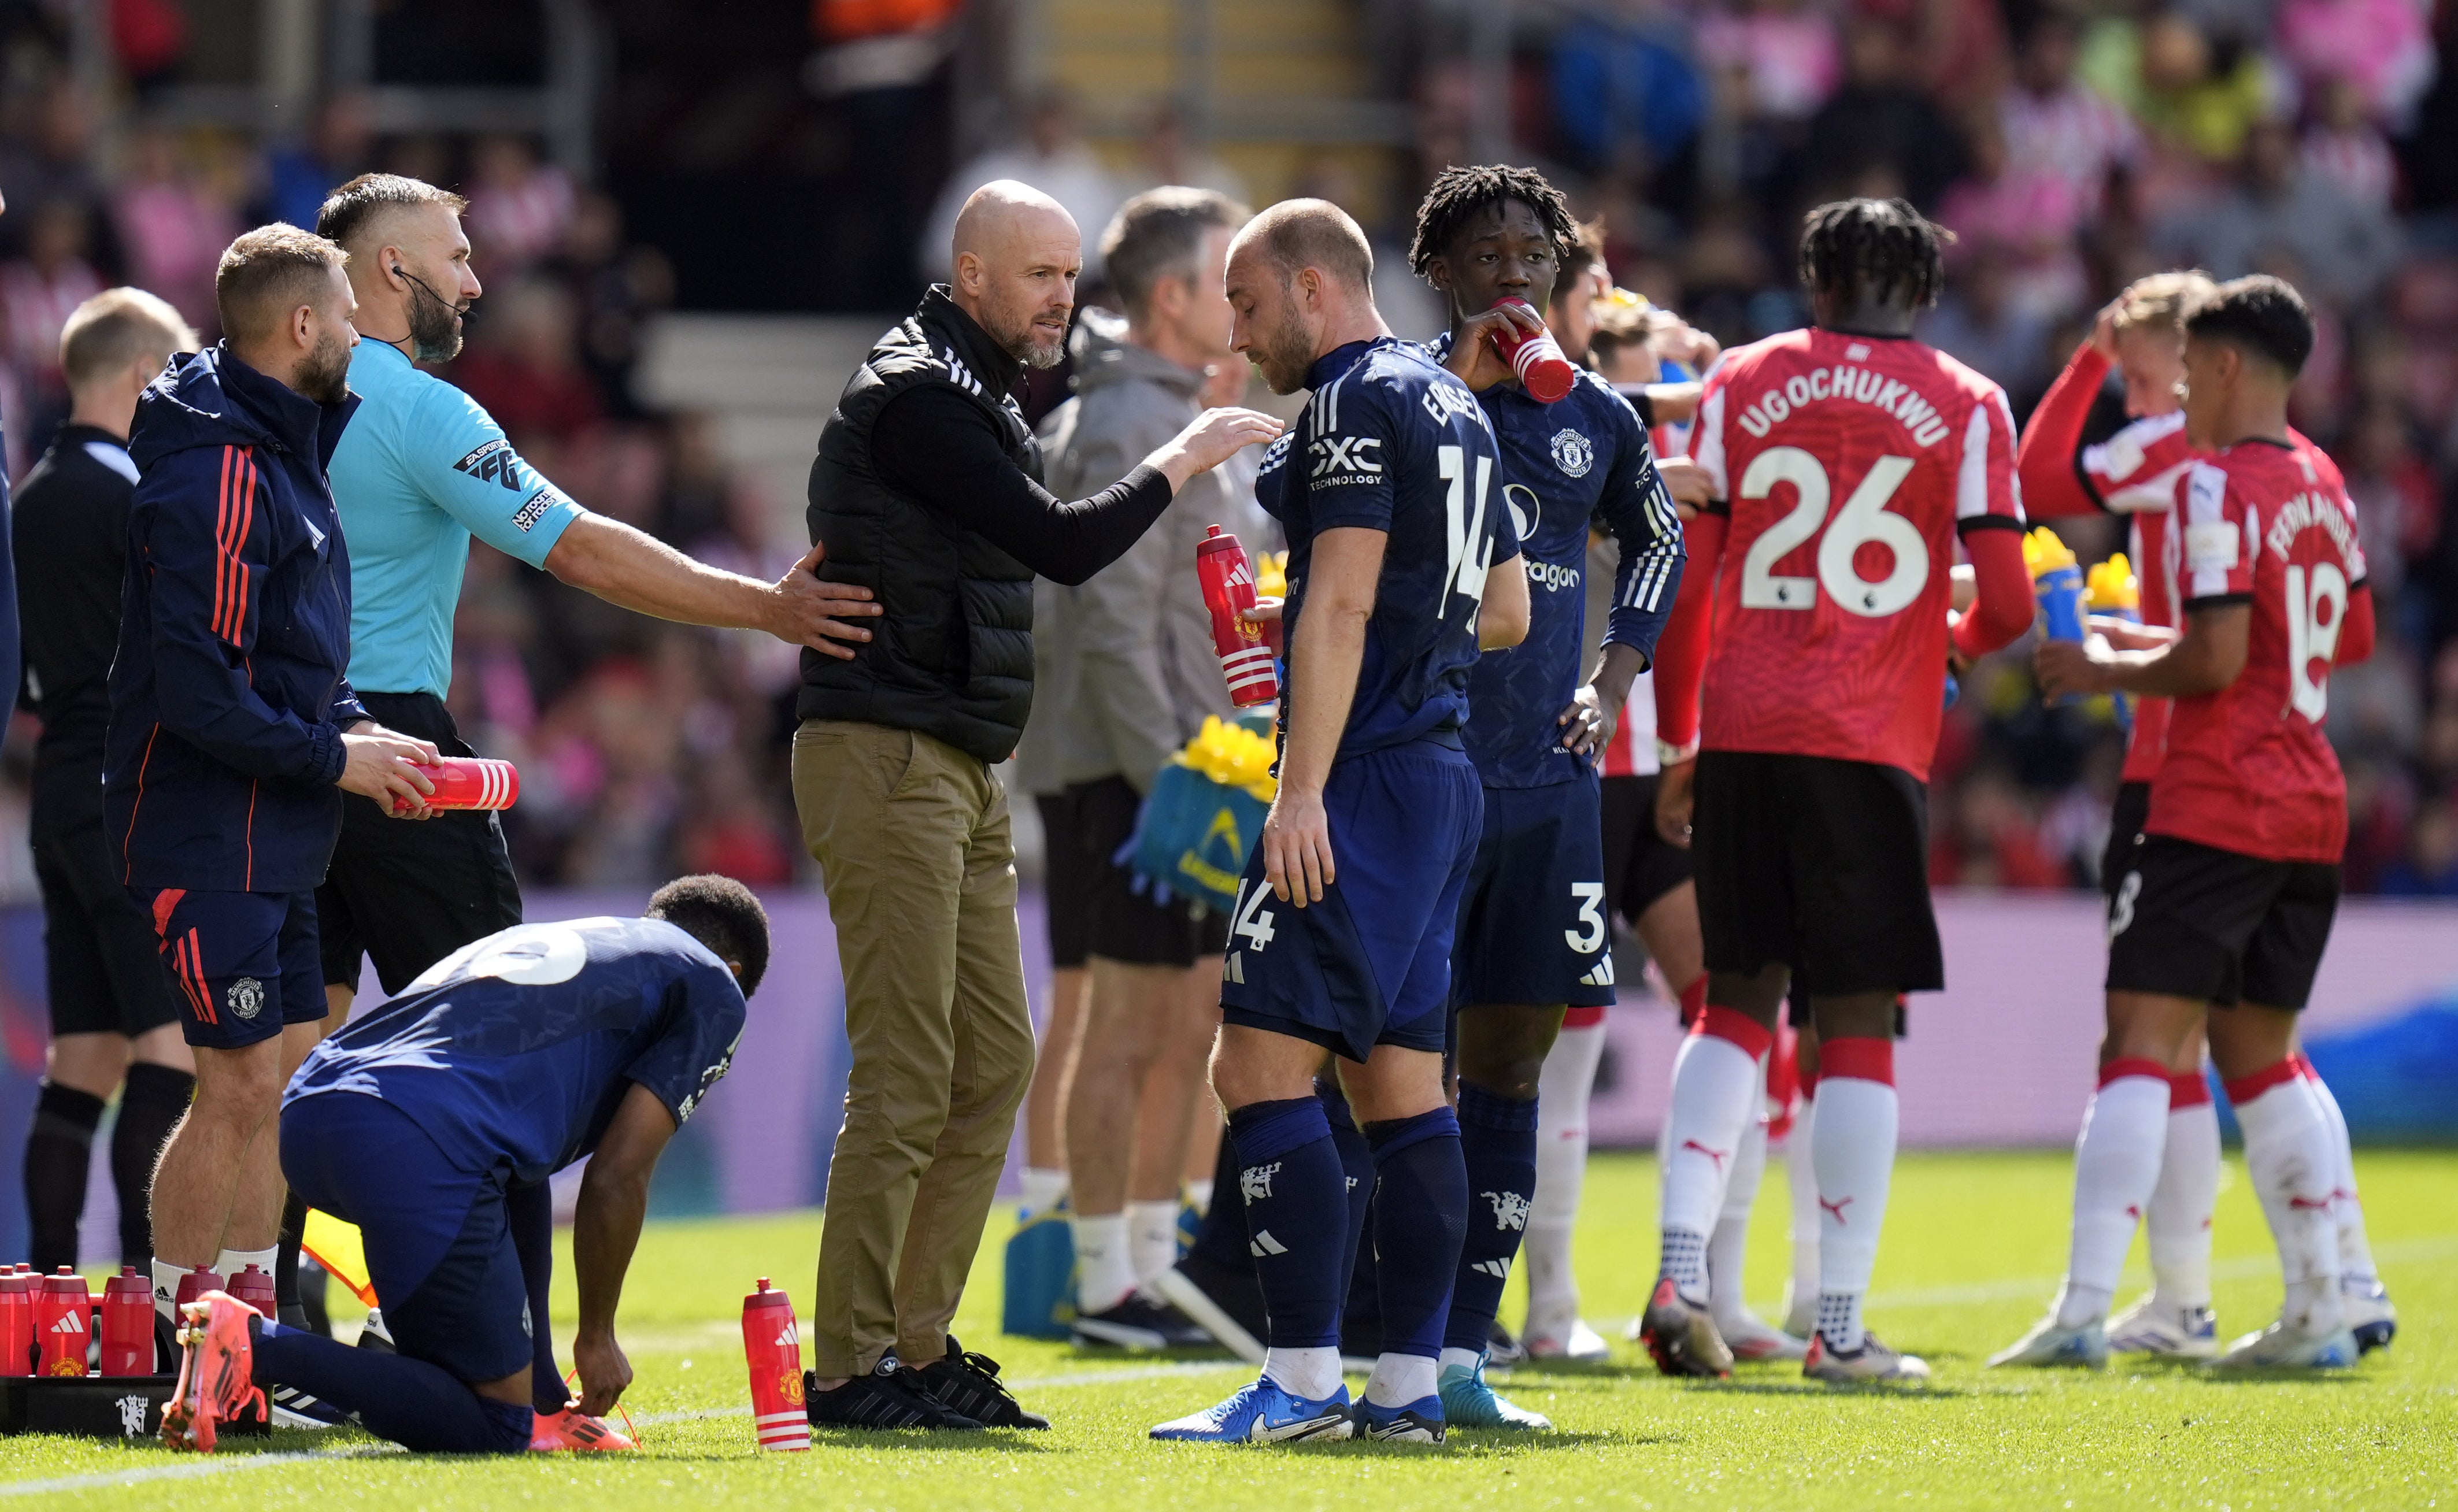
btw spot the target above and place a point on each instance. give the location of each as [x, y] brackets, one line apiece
[434, 335]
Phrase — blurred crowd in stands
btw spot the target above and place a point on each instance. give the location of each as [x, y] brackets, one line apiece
[2071, 149]
[645, 750]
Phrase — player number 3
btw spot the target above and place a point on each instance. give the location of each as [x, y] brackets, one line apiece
[1863, 519]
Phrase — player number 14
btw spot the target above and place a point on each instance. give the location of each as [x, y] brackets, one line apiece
[1863, 519]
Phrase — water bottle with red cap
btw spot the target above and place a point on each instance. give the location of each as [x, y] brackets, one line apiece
[254, 1286]
[128, 1324]
[1228, 581]
[469, 783]
[17, 1321]
[1536, 358]
[63, 1323]
[773, 1349]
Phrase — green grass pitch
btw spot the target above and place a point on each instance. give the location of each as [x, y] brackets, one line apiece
[1973, 1242]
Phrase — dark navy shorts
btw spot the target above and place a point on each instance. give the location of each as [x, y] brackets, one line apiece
[439, 1240]
[1371, 964]
[242, 964]
[1532, 920]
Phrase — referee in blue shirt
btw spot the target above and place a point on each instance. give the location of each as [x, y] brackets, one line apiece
[421, 470]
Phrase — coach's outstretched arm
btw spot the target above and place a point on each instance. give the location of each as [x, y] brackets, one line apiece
[642, 573]
[613, 1200]
[1326, 654]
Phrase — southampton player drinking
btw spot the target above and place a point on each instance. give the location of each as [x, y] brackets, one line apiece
[1402, 564]
[1532, 934]
[2228, 901]
[1849, 456]
[2136, 472]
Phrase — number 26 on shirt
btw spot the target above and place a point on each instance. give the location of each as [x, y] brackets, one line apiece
[1863, 519]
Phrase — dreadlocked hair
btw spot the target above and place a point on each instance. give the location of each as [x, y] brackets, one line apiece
[1882, 247]
[1459, 193]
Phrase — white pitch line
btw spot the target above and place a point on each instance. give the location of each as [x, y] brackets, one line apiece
[187, 1469]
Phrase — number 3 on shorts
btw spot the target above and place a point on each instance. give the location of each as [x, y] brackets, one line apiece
[1252, 921]
[2120, 913]
[1589, 937]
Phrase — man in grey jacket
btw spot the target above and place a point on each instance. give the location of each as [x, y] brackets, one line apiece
[1143, 679]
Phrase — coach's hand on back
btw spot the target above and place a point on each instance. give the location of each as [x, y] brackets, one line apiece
[809, 611]
[1209, 440]
[382, 765]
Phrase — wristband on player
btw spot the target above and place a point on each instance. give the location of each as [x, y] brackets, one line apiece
[1669, 755]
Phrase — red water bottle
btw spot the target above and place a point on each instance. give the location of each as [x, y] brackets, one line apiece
[471, 782]
[17, 1322]
[254, 1287]
[195, 1284]
[63, 1315]
[128, 1324]
[1228, 582]
[1537, 359]
[773, 1349]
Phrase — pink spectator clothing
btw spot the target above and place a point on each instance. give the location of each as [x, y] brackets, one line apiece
[174, 236]
[34, 308]
[2076, 134]
[1793, 60]
[2380, 46]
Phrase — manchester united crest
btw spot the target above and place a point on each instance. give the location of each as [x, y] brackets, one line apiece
[1573, 454]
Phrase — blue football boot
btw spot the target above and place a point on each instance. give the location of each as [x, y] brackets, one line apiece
[1420, 1421]
[1470, 1403]
[1265, 1413]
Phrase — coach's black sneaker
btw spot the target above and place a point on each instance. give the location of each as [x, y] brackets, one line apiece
[1502, 1350]
[373, 1335]
[969, 1383]
[889, 1396]
[1139, 1322]
[1682, 1338]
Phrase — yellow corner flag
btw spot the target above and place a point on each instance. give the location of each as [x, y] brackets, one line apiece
[339, 1248]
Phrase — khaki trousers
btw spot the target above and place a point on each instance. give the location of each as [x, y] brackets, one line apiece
[912, 839]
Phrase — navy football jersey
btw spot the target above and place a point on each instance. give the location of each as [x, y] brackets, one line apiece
[516, 1050]
[1583, 461]
[1392, 443]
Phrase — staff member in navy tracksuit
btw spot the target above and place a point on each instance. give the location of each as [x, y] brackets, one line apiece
[232, 728]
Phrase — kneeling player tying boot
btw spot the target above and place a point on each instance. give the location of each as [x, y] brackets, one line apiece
[433, 1124]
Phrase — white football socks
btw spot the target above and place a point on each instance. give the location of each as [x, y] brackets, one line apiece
[1199, 1194]
[2288, 1153]
[1313, 1374]
[1399, 1380]
[231, 1262]
[1715, 1094]
[1728, 1247]
[2117, 1166]
[2176, 1225]
[1043, 1189]
[1562, 1092]
[1152, 1238]
[1802, 1177]
[166, 1289]
[1105, 1270]
[1853, 1149]
[2355, 1246]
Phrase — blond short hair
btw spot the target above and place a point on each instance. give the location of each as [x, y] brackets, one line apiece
[1311, 234]
[269, 272]
[2161, 300]
[116, 327]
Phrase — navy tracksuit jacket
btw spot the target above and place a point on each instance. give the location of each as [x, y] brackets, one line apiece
[227, 694]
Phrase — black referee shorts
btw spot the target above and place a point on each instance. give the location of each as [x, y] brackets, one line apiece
[102, 962]
[408, 893]
[1092, 898]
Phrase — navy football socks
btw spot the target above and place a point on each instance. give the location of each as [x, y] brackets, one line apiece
[415, 1404]
[1419, 1209]
[1498, 1146]
[529, 1212]
[1356, 1167]
[1297, 1217]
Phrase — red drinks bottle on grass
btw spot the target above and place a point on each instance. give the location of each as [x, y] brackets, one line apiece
[128, 1324]
[1228, 582]
[471, 782]
[1537, 359]
[17, 1322]
[63, 1323]
[773, 1349]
